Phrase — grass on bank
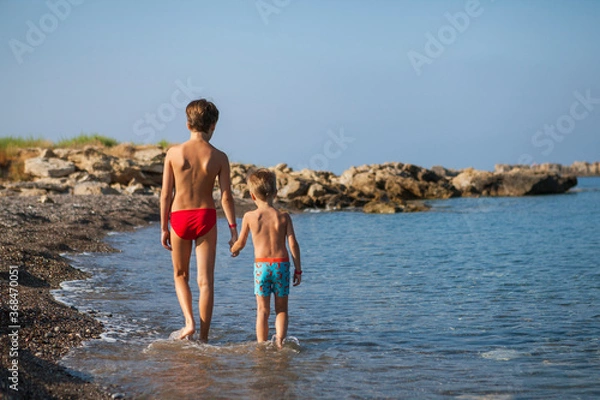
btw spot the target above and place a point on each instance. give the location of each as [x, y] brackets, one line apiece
[13, 143]
[10, 146]
[83, 140]
[11, 164]
[164, 144]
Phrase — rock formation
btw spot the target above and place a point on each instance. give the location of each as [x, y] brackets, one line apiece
[378, 188]
[578, 168]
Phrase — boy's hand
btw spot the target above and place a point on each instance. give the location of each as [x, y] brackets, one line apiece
[234, 237]
[297, 279]
[235, 254]
[165, 239]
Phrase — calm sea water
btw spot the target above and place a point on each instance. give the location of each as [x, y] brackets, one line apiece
[493, 298]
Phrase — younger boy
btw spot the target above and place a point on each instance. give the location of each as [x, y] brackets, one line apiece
[270, 228]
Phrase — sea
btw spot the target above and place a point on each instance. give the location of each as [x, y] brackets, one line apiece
[479, 298]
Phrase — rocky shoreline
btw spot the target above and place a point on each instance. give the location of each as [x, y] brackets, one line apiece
[380, 188]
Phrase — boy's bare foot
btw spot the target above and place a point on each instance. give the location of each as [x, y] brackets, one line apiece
[279, 342]
[183, 333]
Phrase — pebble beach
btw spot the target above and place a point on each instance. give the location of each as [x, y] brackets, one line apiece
[34, 236]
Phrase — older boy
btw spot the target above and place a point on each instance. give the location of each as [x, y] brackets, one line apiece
[270, 228]
[190, 171]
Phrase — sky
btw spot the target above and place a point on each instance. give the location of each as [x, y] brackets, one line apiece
[323, 84]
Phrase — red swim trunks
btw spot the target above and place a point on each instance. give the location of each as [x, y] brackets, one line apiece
[191, 224]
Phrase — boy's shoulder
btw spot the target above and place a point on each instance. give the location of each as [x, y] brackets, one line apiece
[251, 213]
[283, 213]
[218, 153]
[173, 149]
[181, 148]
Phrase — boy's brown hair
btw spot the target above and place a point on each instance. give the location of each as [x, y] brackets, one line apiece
[262, 183]
[201, 115]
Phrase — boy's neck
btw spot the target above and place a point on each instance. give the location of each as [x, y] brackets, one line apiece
[264, 203]
[195, 135]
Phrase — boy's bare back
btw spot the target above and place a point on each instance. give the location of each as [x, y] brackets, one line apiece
[195, 165]
[270, 228]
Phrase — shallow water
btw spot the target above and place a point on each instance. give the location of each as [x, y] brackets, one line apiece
[494, 298]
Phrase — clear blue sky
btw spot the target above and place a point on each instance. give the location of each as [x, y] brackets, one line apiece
[328, 83]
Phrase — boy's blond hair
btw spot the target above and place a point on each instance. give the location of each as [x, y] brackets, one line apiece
[201, 115]
[263, 184]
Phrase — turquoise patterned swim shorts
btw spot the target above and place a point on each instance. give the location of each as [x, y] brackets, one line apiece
[272, 275]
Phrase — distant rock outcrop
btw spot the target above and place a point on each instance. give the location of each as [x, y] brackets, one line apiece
[516, 182]
[578, 168]
[378, 188]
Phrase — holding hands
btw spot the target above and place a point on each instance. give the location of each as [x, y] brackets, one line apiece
[235, 250]
[297, 277]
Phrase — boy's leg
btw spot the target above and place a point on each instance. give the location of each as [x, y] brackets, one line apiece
[206, 248]
[182, 250]
[281, 321]
[263, 307]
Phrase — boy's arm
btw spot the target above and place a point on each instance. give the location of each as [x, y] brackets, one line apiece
[227, 198]
[166, 199]
[295, 250]
[241, 242]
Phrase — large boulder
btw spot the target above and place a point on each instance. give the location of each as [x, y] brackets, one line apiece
[124, 170]
[150, 154]
[316, 190]
[94, 162]
[444, 172]
[524, 183]
[337, 201]
[151, 160]
[365, 183]
[301, 203]
[516, 182]
[91, 160]
[294, 188]
[381, 207]
[48, 167]
[472, 182]
[404, 188]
